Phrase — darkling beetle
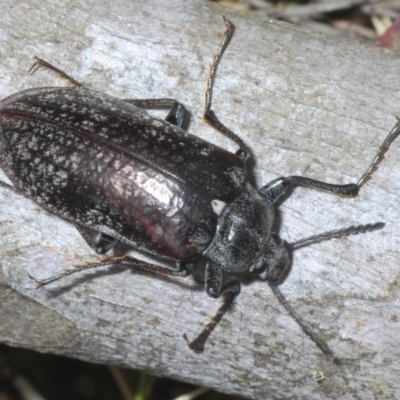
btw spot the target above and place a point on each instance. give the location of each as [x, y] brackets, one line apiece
[107, 166]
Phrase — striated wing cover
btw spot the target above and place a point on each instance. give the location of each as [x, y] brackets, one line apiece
[103, 163]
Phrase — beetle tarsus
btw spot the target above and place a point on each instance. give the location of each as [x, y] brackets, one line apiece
[197, 345]
[209, 115]
[381, 154]
[37, 281]
[39, 63]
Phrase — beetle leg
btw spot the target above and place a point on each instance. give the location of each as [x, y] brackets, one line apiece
[100, 243]
[277, 187]
[381, 154]
[209, 115]
[183, 269]
[176, 115]
[42, 63]
[274, 189]
[215, 288]
[13, 188]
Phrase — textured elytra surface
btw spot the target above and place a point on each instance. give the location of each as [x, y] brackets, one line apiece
[103, 163]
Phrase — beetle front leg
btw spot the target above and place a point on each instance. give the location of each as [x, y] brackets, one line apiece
[273, 190]
[381, 154]
[215, 289]
[209, 115]
[276, 188]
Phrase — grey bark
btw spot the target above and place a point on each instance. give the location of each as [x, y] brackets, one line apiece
[305, 104]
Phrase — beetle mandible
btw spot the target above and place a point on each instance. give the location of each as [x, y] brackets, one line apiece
[107, 166]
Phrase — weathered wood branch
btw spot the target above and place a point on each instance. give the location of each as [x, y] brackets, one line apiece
[305, 104]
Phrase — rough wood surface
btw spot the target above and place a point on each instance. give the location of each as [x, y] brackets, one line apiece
[305, 104]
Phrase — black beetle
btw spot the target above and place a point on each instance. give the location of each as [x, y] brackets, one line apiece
[106, 165]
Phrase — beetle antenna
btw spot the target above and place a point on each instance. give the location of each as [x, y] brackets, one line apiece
[319, 343]
[337, 233]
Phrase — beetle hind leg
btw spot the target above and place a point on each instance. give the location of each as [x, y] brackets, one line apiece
[39, 63]
[176, 115]
[183, 269]
[100, 242]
